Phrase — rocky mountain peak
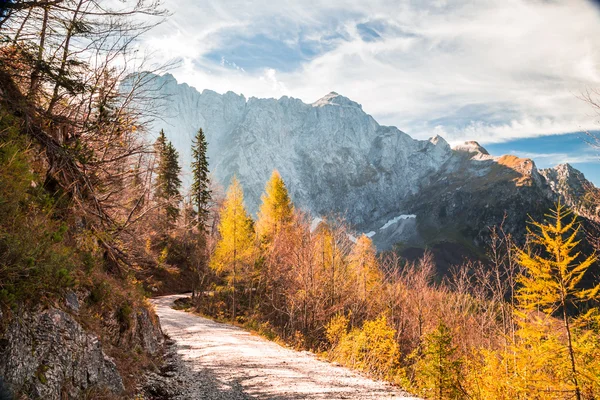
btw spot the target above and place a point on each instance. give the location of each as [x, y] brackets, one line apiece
[569, 185]
[437, 140]
[563, 173]
[335, 99]
[471, 147]
[566, 169]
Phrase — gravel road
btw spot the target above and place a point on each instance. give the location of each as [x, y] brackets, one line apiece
[219, 361]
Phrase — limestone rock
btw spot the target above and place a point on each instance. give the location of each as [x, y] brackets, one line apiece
[49, 355]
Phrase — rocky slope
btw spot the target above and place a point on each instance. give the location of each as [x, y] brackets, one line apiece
[51, 354]
[336, 159]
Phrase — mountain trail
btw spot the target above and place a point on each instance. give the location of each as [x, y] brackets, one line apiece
[212, 361]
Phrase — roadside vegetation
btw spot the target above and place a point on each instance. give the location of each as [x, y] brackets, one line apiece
[523, 325]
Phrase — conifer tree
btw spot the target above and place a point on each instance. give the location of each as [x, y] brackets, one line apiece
[173, 183]
[160, 145]
[234, 253]
[160, 152]
[331, 246]
[363, 266]
[167, 181]
[200, 180]
[554, 271]
[438, 369]
[276, 211]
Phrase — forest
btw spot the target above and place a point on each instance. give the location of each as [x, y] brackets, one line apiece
[92, 202]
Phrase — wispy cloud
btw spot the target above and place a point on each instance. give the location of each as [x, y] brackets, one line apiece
[557, 158]
[486, 70]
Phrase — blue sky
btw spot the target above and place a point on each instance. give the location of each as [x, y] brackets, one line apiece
[508, 74]
[577, 149]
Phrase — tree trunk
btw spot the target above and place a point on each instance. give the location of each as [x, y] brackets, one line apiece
[571, 353]
[35, 74]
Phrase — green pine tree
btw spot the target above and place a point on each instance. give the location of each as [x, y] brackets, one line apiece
[200, 185]
[167, 182]
[438, 369]
[173, 183]
[160, 151]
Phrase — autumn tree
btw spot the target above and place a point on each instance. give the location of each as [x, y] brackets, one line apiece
[302, 286]
[364, 267]
[62, 67]
[364, 277]
[332, 246]
[276, 211]
[275, 233]
[552, 282]
[235, 251]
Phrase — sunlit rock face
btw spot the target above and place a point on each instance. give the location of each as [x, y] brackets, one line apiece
[336, 159]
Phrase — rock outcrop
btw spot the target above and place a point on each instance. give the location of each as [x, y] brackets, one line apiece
[48, 354]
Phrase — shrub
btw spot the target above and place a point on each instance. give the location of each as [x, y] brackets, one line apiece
[337, 329]
[372, 348]
[36, 263]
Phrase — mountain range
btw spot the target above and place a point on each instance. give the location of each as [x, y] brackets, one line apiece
[336, 159]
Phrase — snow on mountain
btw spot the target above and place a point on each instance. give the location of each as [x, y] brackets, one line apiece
[395, 220]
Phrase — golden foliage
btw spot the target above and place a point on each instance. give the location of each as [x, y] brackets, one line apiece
[276, 211]
[553, 354]
[364, 268]
[235, 251]
[372, 348]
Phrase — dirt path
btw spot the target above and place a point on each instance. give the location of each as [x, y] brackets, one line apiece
[219, 361]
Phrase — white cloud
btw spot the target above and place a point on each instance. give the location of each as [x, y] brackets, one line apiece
[486, 70]
[558, 158]
[516, 129]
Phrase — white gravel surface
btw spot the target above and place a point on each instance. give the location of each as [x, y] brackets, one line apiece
[220, 361]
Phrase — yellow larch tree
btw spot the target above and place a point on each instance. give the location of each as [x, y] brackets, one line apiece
[364, 269]
[274, 230]
[330, 254]
[235, 251]
[276, 211]
[551, 287]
